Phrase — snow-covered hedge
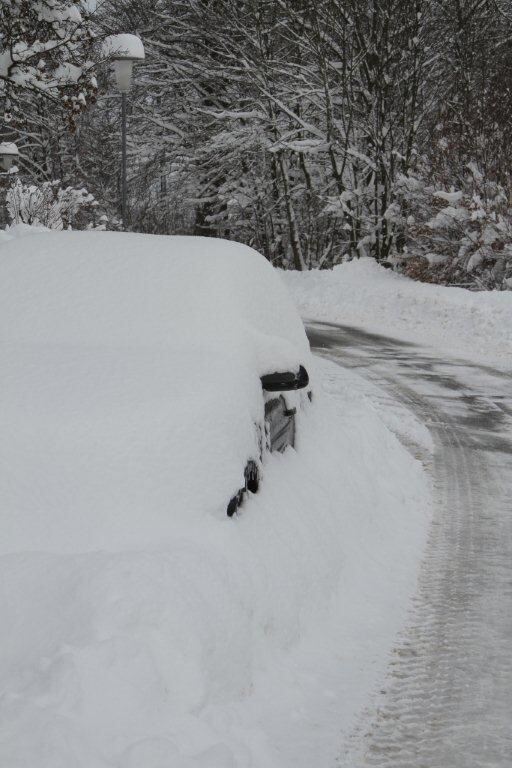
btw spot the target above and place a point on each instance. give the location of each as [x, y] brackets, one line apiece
[455, 236]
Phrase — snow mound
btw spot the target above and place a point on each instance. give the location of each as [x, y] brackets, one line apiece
[130, 370]
[466, 324]
[111, 289]
[139, 629]
[19, 230]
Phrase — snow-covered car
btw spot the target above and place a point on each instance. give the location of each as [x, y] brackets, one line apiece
[277, 430]
[142, 373]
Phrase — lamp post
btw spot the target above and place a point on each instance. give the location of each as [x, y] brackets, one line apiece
[8, 155]
[123, 50]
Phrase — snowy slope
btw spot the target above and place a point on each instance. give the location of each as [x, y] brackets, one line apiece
[138, 627]
[360, 293]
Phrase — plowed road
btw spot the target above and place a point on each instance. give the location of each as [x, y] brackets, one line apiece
[447, 702]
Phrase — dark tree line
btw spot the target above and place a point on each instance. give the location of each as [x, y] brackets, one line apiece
[314, 130]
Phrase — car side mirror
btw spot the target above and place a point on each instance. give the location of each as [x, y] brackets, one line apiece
[285, 381]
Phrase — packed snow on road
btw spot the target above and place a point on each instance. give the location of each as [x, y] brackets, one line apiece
[140, 626]
[446, 353]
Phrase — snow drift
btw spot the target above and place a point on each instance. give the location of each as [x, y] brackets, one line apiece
[361, 293]
[140, 627]
[132, 381]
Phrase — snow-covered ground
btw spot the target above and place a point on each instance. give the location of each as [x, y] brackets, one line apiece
[242, 643]
[447, 697]
[360, 293]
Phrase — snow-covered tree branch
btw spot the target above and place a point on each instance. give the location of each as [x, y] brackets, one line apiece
[44, 50]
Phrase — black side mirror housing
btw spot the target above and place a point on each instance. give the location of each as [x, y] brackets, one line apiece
[285, 381]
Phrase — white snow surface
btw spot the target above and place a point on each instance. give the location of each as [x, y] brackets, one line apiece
[19, 230]
[140, 627]
[131, 371]
[123, 46]
[474, 325]
[8, 148]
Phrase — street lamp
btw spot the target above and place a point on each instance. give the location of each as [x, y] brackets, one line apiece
[123, 50]
[8, 154]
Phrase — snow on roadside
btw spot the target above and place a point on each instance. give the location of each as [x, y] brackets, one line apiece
[185, 640]
[412, 433]
[361, 293]
[243, 643]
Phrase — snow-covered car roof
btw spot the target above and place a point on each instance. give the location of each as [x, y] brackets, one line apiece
[90, 288]
[130, 370]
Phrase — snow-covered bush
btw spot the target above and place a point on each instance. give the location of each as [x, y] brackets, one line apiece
[52, 206]
[456, 236]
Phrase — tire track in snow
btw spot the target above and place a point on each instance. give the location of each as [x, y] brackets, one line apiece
[447, 701]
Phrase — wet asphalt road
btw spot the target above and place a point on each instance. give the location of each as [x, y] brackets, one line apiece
[447, 702]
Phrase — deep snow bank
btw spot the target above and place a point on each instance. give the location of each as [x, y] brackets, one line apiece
[475, 325]
[129, 375]
[188, 639]
[250, 642]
